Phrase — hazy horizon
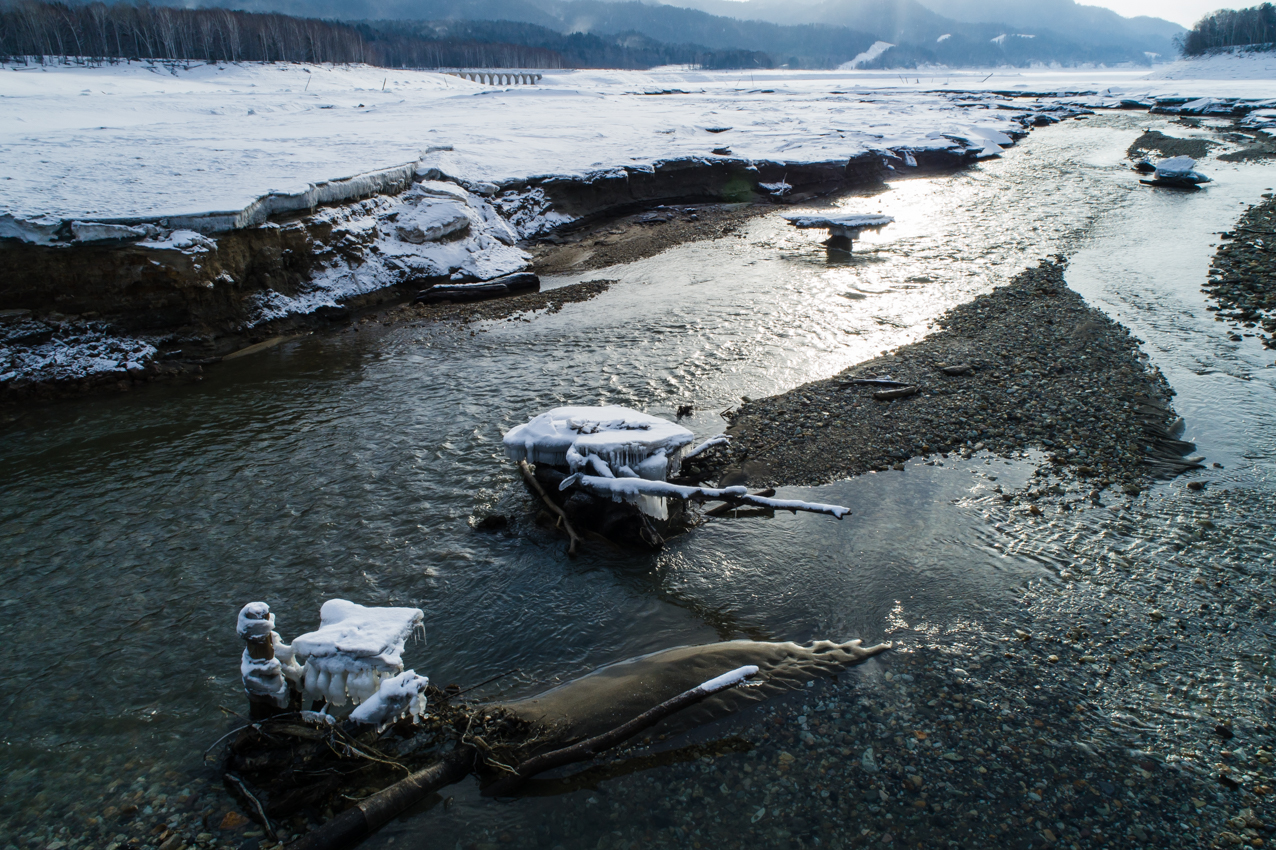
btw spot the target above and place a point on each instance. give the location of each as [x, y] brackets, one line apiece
[1182, 12]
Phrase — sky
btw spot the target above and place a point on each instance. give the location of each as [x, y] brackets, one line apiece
[1185, 12]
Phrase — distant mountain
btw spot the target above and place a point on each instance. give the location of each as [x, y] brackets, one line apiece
[1091, 23]
[806, 33]
[810, 46]
[1061, 30]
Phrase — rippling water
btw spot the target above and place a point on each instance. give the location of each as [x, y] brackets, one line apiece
[133, 528]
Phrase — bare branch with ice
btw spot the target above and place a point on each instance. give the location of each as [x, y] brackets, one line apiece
[632, 489]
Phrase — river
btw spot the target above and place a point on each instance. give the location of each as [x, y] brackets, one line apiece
[352, 465]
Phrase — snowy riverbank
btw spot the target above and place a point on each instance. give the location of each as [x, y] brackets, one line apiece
[182, 212]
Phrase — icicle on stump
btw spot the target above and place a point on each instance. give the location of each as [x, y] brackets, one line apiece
[606, 470]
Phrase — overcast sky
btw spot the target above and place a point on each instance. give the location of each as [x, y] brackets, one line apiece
[1185, 12]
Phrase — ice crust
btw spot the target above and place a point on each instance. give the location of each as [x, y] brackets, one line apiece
[266, 677]
[354, 648]
[843, 225]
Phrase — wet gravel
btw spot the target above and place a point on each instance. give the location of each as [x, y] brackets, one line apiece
[1026, 366]
[1243, 275]
[1126, 702]
[1165, 146]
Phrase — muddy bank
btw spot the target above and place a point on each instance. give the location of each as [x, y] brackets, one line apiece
[638, 236]
[1243, 275]
[1026, 366]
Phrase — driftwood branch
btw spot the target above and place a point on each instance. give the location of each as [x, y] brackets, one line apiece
[357, 823]
[731, 504]
[620, 488]
[590, 747]
[535, 485]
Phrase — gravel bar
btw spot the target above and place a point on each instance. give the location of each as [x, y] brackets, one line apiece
[1026, 366]
[1243, 274]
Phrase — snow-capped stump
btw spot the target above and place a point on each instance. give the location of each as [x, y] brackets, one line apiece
[1177, 172]
[843, 229]
[268, 667]
[354, 649]
[607, 470]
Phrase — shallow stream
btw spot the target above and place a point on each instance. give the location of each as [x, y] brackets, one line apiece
[133, 528]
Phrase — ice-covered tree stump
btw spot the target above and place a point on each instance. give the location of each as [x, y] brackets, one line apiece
[356, 656]
[610, 468]
[843, 229]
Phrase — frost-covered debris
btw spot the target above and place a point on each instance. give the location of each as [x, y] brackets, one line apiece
[396, 698]
[268, 677]
[611, 442]
[435, 229]
[626, 456]
[354, 649]
[719, 440]
[36, 350]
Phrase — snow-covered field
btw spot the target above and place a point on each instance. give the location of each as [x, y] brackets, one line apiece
[147, 141]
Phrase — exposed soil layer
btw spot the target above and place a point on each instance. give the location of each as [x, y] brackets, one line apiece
[1243, 274]
[1029, 365]
[114, 301]
[636, 237]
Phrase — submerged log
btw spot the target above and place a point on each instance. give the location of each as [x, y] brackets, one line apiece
[370, 814]
[591, 747]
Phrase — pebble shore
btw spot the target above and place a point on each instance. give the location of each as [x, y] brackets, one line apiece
[1243, 275]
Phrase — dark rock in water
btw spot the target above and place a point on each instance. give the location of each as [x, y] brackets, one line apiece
[685, 410]
[722, 151]
[1144, 167]
[492, 522]
[499, 287]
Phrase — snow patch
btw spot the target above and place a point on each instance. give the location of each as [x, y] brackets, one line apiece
[875, 50]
